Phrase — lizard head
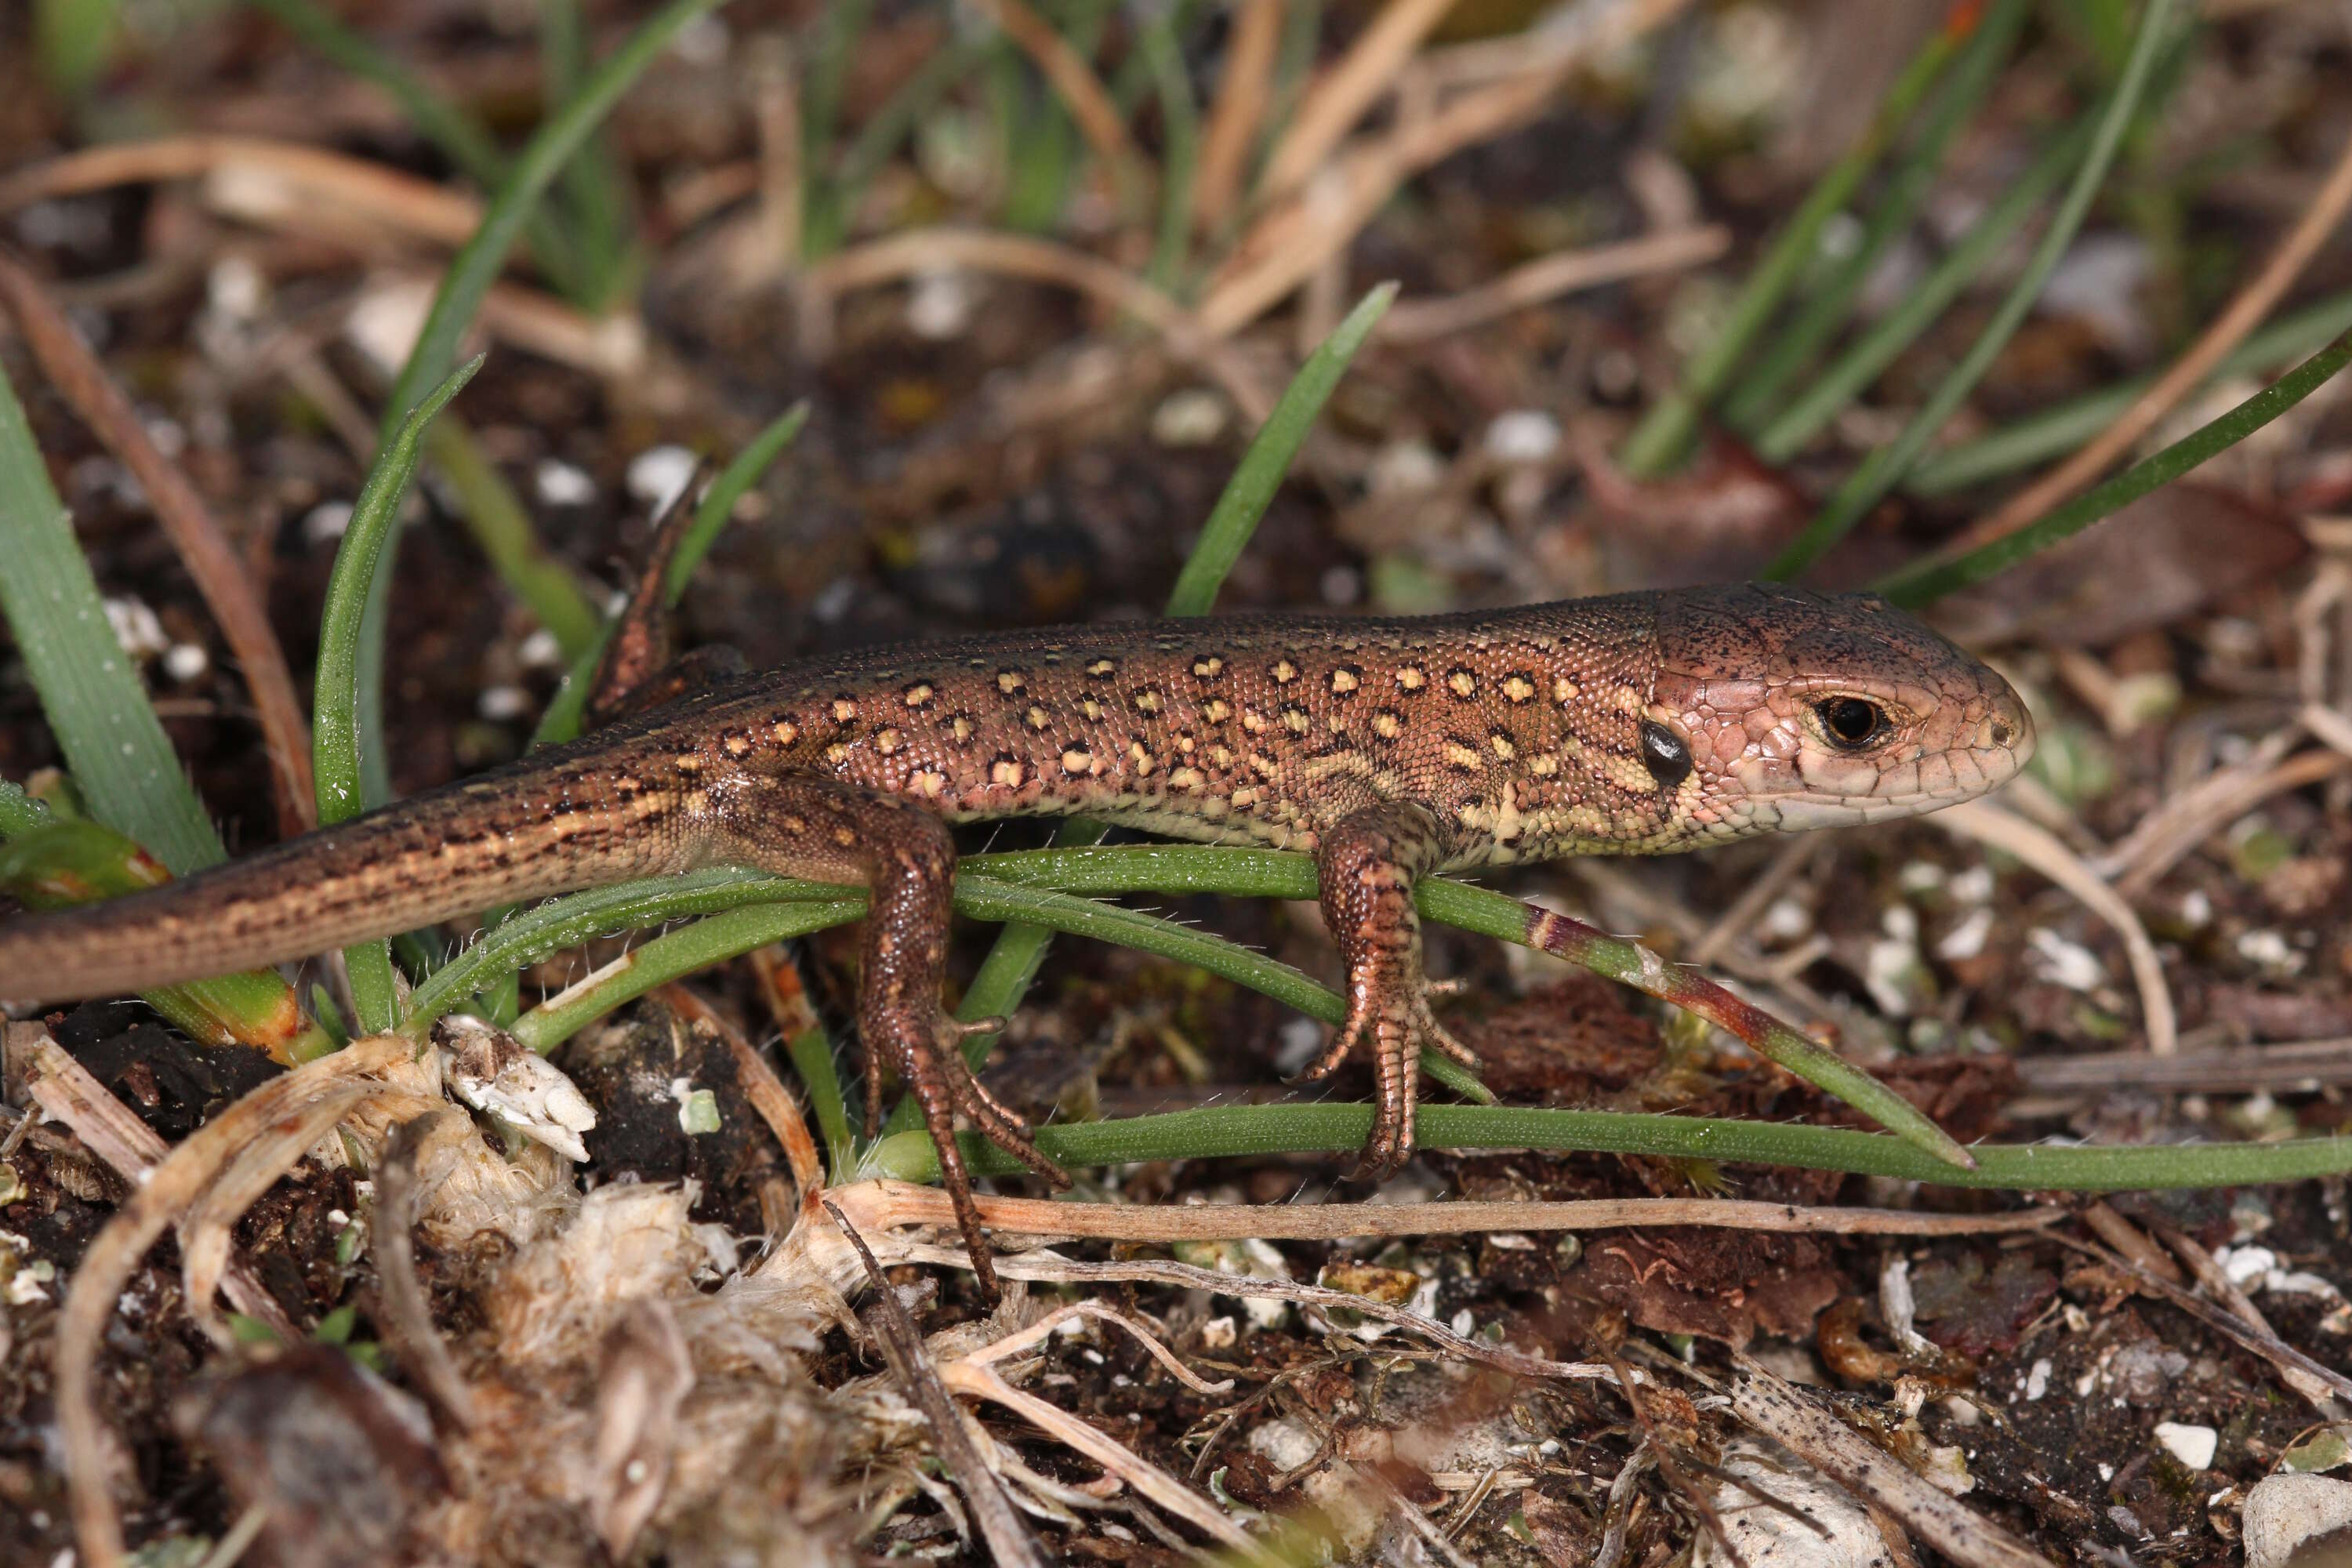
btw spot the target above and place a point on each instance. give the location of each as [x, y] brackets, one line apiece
[1787, 708]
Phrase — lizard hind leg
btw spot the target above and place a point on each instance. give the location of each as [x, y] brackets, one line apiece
[1367, 864]
[800, 825]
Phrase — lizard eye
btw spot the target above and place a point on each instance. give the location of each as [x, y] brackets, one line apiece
[1851, 724]
[1664, 753]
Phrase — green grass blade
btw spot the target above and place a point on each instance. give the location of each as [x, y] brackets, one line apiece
[1257, 1130]
[1262, 466]
[1806, 416]
[1885, 468]
[338, 734]
[1764, 389]
[471, 272]
[1665, 434]
[2054, 432]
[494, 515]
[596, 194]
[121, 760]
[812, 1056]
[1930, 580]
[459, 137]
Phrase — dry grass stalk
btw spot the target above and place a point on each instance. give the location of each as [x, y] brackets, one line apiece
[2318, 225]
[903, 1203]
[219, 575]
[1009, 1541]
[2172, 832]
[251, 174]
[1547, 277]
[1285, 247]
[67, 1092]
[1337, 99]
[339, 1082]
[407, 1312]
[975, 1377]
[2047, 854]
[1081, 91]
[1243, 94]
[1844, 1455]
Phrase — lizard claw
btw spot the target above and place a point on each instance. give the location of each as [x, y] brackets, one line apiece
[1399, 1023]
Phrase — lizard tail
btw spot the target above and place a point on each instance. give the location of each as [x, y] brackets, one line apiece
[524, 832]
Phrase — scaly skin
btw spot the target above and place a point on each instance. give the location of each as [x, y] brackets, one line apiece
[1641, 724]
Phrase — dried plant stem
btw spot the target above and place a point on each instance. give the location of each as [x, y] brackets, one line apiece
[1547, 277]
[2319, 223]
[903, 1203]
[1243, 89]
[1081, 91]
[1337, 99]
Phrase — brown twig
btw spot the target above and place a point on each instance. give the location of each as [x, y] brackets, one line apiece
[258, 176]
[1242, 93]
[1549, 276]
[219, 575]
[2317, 226]
[1009, 1541]
[908, 1204]
[1285, 247]
[407, 1311]
[336, 1083]
[67, 1091]
[2043, 850]
[1835, 1449]
[1337, 99]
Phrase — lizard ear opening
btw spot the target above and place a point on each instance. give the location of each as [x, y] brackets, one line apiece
[1664, 753]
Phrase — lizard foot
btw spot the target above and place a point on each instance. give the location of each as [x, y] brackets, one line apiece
[1390, 1016]
[943, 1084]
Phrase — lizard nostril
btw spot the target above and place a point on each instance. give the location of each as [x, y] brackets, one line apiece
[2002, 732]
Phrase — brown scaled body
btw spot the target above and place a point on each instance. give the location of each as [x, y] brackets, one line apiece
[1388, 749]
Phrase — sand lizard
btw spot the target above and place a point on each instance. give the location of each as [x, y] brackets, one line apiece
[1388, 749]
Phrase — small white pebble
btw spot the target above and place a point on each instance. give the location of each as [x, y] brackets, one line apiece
[1973, 886]
[1787, 921]
[136, 629]
[2192, 1446]
[1464, 1322]
[2268, 950]
[1523, 436]
[659, 474]
[2037, 1382]
[1404, 466]
[185, 661]
[560, 483]
[1302, 1042]
[2243, 1265]
[1966, 940]
[2196, 908]
[1219, 1334]
[387, 321]
[1191, 417]
[500, 703]
[235, 289]
[1921, 877]
[703, 41]
[540, 650]
[2064, 962]
[326, 521]
[939, 306]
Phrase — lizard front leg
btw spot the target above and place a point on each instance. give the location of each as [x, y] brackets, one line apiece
[799, 825]
[1367, 864]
